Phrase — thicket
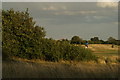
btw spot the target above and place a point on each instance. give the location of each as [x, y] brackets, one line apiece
[22, 38]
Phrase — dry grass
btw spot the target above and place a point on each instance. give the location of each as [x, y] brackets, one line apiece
[105, 52]
[104, 49]
[96, 47]
[0, 66]
[20, 69]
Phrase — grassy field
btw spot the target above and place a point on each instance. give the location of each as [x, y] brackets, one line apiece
[23, 68]
[104, 50]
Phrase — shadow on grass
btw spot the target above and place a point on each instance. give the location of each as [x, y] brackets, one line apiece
[18, 69]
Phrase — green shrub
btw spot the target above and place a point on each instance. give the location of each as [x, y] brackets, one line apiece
[23, 39]
[20, 35]
[57, 50]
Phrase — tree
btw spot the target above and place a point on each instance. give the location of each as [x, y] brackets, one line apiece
[111, 40]
[20, 35]
[76, 40]
[102, 41]
[0, 26]
[95, 40]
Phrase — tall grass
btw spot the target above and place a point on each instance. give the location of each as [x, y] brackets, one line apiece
[58, 70]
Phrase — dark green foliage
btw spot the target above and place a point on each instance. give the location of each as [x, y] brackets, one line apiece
[50, 50]
[76, 40]
[23, 39]
[112, 40]
[95, 40]
[20, 36]
[57, 50]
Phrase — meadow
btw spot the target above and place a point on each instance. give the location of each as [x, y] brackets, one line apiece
[104, 49]
[24, 68]
[59, 70]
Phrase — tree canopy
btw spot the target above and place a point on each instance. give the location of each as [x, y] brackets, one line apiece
[20, 35]
[111, 40]
[76, 40]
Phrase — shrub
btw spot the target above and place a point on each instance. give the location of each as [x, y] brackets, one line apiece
[23, 39]
[55, 51]
[20, 35]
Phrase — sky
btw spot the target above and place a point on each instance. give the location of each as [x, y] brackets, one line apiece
[59, 0]
[68, 19]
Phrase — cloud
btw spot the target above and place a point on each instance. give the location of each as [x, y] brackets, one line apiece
[50, 8]
[56, 0]
[107, 0]
[74, 12]
[98, 17]
[87, 12]
[116, 23]
[63, 7]
[64, 13]
[54, 8]
[107, 4]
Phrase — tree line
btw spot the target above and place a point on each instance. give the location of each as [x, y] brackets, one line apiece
[94, 40]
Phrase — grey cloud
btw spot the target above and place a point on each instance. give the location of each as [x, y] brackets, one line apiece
[68, 19]
[107, 4]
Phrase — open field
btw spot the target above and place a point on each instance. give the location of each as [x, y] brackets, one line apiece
[23, 68]
[104, 50]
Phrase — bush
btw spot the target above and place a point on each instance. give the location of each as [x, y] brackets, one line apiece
[57, 50]
[20, 35]
[23, 39]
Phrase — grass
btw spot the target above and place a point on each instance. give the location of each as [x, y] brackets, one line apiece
[104, 49]
[20, 69]
[24, 68]
[105, 52]
[0, 66]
